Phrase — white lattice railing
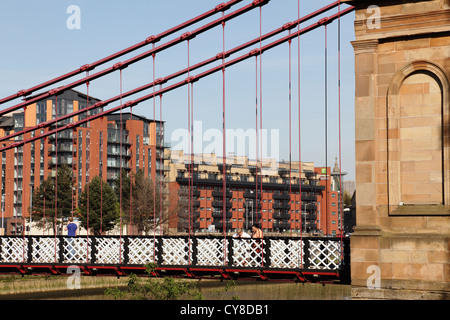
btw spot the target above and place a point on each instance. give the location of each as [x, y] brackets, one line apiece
[202, 251]
[324, 254]
[287, 254]
[212, 252]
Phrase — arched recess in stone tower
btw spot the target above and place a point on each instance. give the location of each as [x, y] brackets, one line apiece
[417, 138]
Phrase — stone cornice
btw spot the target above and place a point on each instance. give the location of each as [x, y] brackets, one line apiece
[405, 24]
[365, 46]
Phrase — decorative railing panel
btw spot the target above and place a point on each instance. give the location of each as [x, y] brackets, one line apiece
[320, 254]
[13, 249]
[212, 252]
[324, 254]
[77, 250]
[44, 250]
[142, 250]
[287, 253]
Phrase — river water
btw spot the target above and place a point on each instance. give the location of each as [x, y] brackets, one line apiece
[215, 290]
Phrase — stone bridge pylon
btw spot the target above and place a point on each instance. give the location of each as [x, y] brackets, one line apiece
[402, 143]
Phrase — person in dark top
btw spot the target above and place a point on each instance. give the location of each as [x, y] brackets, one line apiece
[71, 228]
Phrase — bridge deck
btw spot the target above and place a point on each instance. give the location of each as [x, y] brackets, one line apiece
[292, 259]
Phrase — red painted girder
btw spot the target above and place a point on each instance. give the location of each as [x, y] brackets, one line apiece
[123, 65]
[219, 56]
[254, 52]
[151, 39]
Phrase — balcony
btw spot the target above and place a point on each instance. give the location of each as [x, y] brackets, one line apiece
[219, 194]
[252, 194]
[281, 216]
[61, 161]
[309, 197]
[281, 196]
[64, 135]
[281, 206]
[61, 148]
[281, 225]
[219, 215]
[219, 225]
[219, 204]
[126, 155]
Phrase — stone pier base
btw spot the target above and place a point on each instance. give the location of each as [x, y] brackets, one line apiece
[400, 266]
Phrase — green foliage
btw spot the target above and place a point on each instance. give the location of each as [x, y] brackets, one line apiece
[122, 186]
[347, 199]
[166, 288]
[145, 201]
[156, 289]
[43, 211]
[103, 211]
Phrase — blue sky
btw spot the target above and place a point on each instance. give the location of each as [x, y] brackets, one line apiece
[37, 46]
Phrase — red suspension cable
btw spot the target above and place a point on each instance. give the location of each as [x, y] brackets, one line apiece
[180, 83]
[179, 73]
[56, 171]
[290, 134]
[224, 160]
[130, 227]
[326, 130]
[260, 113]
[43, 230]
[191, 85]
[156, 131]
[152, 39]
[101, 183]
[256, 140]
[161, 184]
[189, 150]
[341, 193]
[299, 140]
[260, 131]
[120, 171]
[87, 172]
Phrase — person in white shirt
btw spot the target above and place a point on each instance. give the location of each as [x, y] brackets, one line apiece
[241, 234]
[242, 247]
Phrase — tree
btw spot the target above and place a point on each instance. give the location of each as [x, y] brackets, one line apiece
[44, 203]
[149, 207]
[146, 204]
[122, 188]
[103, 212]
[347, 199]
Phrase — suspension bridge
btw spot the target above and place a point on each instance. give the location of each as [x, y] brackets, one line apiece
[302, 258]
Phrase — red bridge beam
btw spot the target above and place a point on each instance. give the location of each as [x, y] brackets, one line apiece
[252, 53]
[151, 39]
[289, 25]
[123, 65]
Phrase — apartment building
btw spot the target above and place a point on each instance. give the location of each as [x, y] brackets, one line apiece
[277, 195]
[101, 147]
